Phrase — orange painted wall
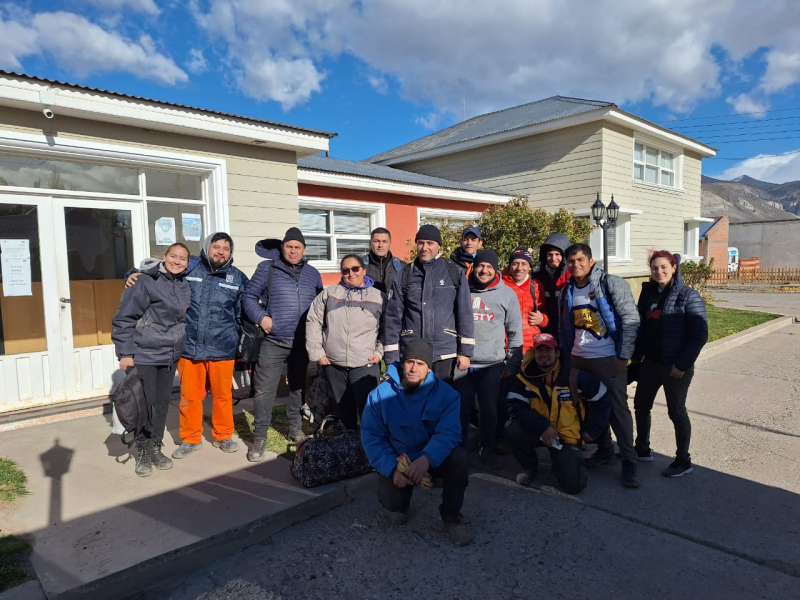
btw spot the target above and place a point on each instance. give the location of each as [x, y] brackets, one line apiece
[401, 213]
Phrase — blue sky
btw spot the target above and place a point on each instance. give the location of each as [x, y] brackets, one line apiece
[385, 72]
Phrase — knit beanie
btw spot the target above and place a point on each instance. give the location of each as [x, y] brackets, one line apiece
[429, 232]
[293, 234]
[419, 350]
[487, 256]
[521, 253]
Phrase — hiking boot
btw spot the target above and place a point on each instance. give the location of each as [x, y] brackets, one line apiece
[398, 517]
[256, 453]
[501, 448]
[629, 478]
[457, 532]
[678, 468]
[297, 436]
[488, 460]
[600, 457]
[160, 461]
[144, 461]
[641, 455]
[226, 445]
[185, 449]
[525, 477]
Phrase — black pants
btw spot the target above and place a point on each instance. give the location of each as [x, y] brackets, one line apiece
[267, 377]
[621, 420]
[443, 369]
[454, 472]
[485, 382]
[652, 376]
[350, 388]
[568, 464]
[157, 385]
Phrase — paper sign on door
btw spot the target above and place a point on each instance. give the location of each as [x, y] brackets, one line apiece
[165, 231]
[15, 266]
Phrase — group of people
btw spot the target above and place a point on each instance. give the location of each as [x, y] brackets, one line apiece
[534, 355]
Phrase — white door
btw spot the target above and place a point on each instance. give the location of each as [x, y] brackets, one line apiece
[56, 336]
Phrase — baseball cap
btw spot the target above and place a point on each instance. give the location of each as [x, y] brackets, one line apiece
[544, 339]
[473, 230]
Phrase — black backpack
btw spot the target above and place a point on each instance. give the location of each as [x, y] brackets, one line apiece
[129, 403]
[252, 335]
[452, 268]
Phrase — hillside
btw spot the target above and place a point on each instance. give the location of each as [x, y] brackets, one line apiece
[745, 199]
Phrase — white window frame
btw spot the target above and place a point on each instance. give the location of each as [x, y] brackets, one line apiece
[623, 247]
[691, 238]
[466, 215]
[677, 164]
[377, 219]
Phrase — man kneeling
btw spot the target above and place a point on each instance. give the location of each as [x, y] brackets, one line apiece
[543, 413]
[416, 414]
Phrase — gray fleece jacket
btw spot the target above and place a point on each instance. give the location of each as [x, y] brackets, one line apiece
[496, 312]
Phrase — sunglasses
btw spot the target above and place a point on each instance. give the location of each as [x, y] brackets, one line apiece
[355, 270]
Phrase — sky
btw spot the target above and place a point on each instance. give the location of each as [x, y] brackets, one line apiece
[381, 73]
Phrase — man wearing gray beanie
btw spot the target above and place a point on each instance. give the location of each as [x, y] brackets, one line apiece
[430, 301]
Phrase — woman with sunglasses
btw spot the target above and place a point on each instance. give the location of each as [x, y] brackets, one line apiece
[344, 330]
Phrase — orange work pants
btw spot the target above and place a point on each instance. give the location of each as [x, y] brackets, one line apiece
[196, 377]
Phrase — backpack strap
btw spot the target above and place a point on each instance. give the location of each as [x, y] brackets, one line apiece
[269, 285]
[533, 295]
[454, 270]
[405, 277]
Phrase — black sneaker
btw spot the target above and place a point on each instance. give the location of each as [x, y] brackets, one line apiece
[678, 468]
[600, 457]
[256, 453]
[144, 461]
[641, 455]
[629, 478]
[488, 460]
[160, 461]
[297, 436]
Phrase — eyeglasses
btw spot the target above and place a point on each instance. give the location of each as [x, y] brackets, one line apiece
[355, 270]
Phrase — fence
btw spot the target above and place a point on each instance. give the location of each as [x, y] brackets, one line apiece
[757, 275]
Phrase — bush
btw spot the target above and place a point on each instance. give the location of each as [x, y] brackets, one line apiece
[505, 227]
[697, 276]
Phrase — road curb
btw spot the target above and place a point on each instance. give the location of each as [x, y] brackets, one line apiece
[152, 573]
[748, 335]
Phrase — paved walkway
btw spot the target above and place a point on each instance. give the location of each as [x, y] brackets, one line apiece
[779, 303]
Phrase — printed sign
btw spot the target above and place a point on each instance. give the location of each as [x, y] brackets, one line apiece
[192, 227]
[165, 231]
[15, 267]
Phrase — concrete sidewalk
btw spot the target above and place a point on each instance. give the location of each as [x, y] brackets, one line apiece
[98, 529]
[778, 303]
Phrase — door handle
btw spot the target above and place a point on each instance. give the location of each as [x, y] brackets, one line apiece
[66, 300]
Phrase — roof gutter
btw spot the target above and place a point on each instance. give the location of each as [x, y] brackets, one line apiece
[65, 101]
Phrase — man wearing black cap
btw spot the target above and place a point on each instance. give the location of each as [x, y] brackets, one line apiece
[430, 301]
[277, 299]
[469, 245]
[414, 415]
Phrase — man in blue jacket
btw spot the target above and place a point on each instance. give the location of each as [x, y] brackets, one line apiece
[277, 299]
[430, 300]
[416, 414]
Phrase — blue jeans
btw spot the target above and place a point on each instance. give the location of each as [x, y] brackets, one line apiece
[485, 382]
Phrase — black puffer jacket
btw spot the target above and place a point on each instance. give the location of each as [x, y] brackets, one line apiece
[684, 329]
[553, 284]
[150, 324]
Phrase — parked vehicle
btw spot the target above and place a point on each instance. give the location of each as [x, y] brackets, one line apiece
[733, 259]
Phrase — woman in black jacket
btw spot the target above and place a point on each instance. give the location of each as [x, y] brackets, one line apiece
[674, 330]
[149, 331]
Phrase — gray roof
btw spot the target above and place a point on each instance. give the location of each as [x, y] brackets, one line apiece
[172, 104]
[508, 119]
[362, 169]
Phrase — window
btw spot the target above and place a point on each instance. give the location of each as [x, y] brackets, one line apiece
[33, 172]
[654, 166]
[612, 241]
[453, 218]
[619, 251]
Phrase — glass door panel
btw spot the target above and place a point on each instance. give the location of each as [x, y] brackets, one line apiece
[22, 321]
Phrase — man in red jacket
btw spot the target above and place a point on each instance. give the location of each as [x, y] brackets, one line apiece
[530, 294]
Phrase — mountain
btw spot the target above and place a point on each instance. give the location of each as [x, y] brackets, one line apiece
[746, 199]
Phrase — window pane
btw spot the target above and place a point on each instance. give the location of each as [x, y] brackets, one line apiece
[163, 184]
[345, 247]
[651, 156]
[638, 152]
[351, 222]
[168, 223]
[612, 241]
[666, 160]
[638, 172]
[314, 220]
[21, 171]
[651, 174]
[318, 248]
[667, 178]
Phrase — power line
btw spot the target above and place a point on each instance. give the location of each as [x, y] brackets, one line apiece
[709, 125]
[755, 112]
[793, 137]
[730, 135]
[753, 157]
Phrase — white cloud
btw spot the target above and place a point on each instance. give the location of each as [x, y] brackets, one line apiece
[197, 62]
[744, 103]
[379, 84]
[775, 169]
[783, 70]
[433, 119]
[16, 42]
[145, 6]
[280, 79]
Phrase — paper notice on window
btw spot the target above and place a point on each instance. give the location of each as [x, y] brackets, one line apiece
[165, 231]
[16, 276]
[15, 248]
[192, 227]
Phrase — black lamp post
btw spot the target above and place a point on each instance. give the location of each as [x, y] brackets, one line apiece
[605, 219]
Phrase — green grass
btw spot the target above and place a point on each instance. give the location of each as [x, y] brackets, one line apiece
[723, 322]
[13, 481]
[13, 555]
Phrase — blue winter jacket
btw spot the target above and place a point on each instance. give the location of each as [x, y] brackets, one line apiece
[684, 329]
[293, 290]
[433, 310]
[425, 422]
[215, 315]
[616, 307]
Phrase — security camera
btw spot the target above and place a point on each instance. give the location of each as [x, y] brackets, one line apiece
[49, 114]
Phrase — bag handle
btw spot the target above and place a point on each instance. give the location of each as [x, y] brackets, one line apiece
[327, 419]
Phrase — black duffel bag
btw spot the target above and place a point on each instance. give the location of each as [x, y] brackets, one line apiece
[250, 340]
[130, 406]
[326, 457]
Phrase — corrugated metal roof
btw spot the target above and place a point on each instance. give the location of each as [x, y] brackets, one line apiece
[362, 169]
[508, 119]
[172, 104]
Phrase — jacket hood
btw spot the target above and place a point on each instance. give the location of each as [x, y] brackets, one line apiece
[271, 248]
[560, 242]
[207, 244]
[395, 378]
[530, 370]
